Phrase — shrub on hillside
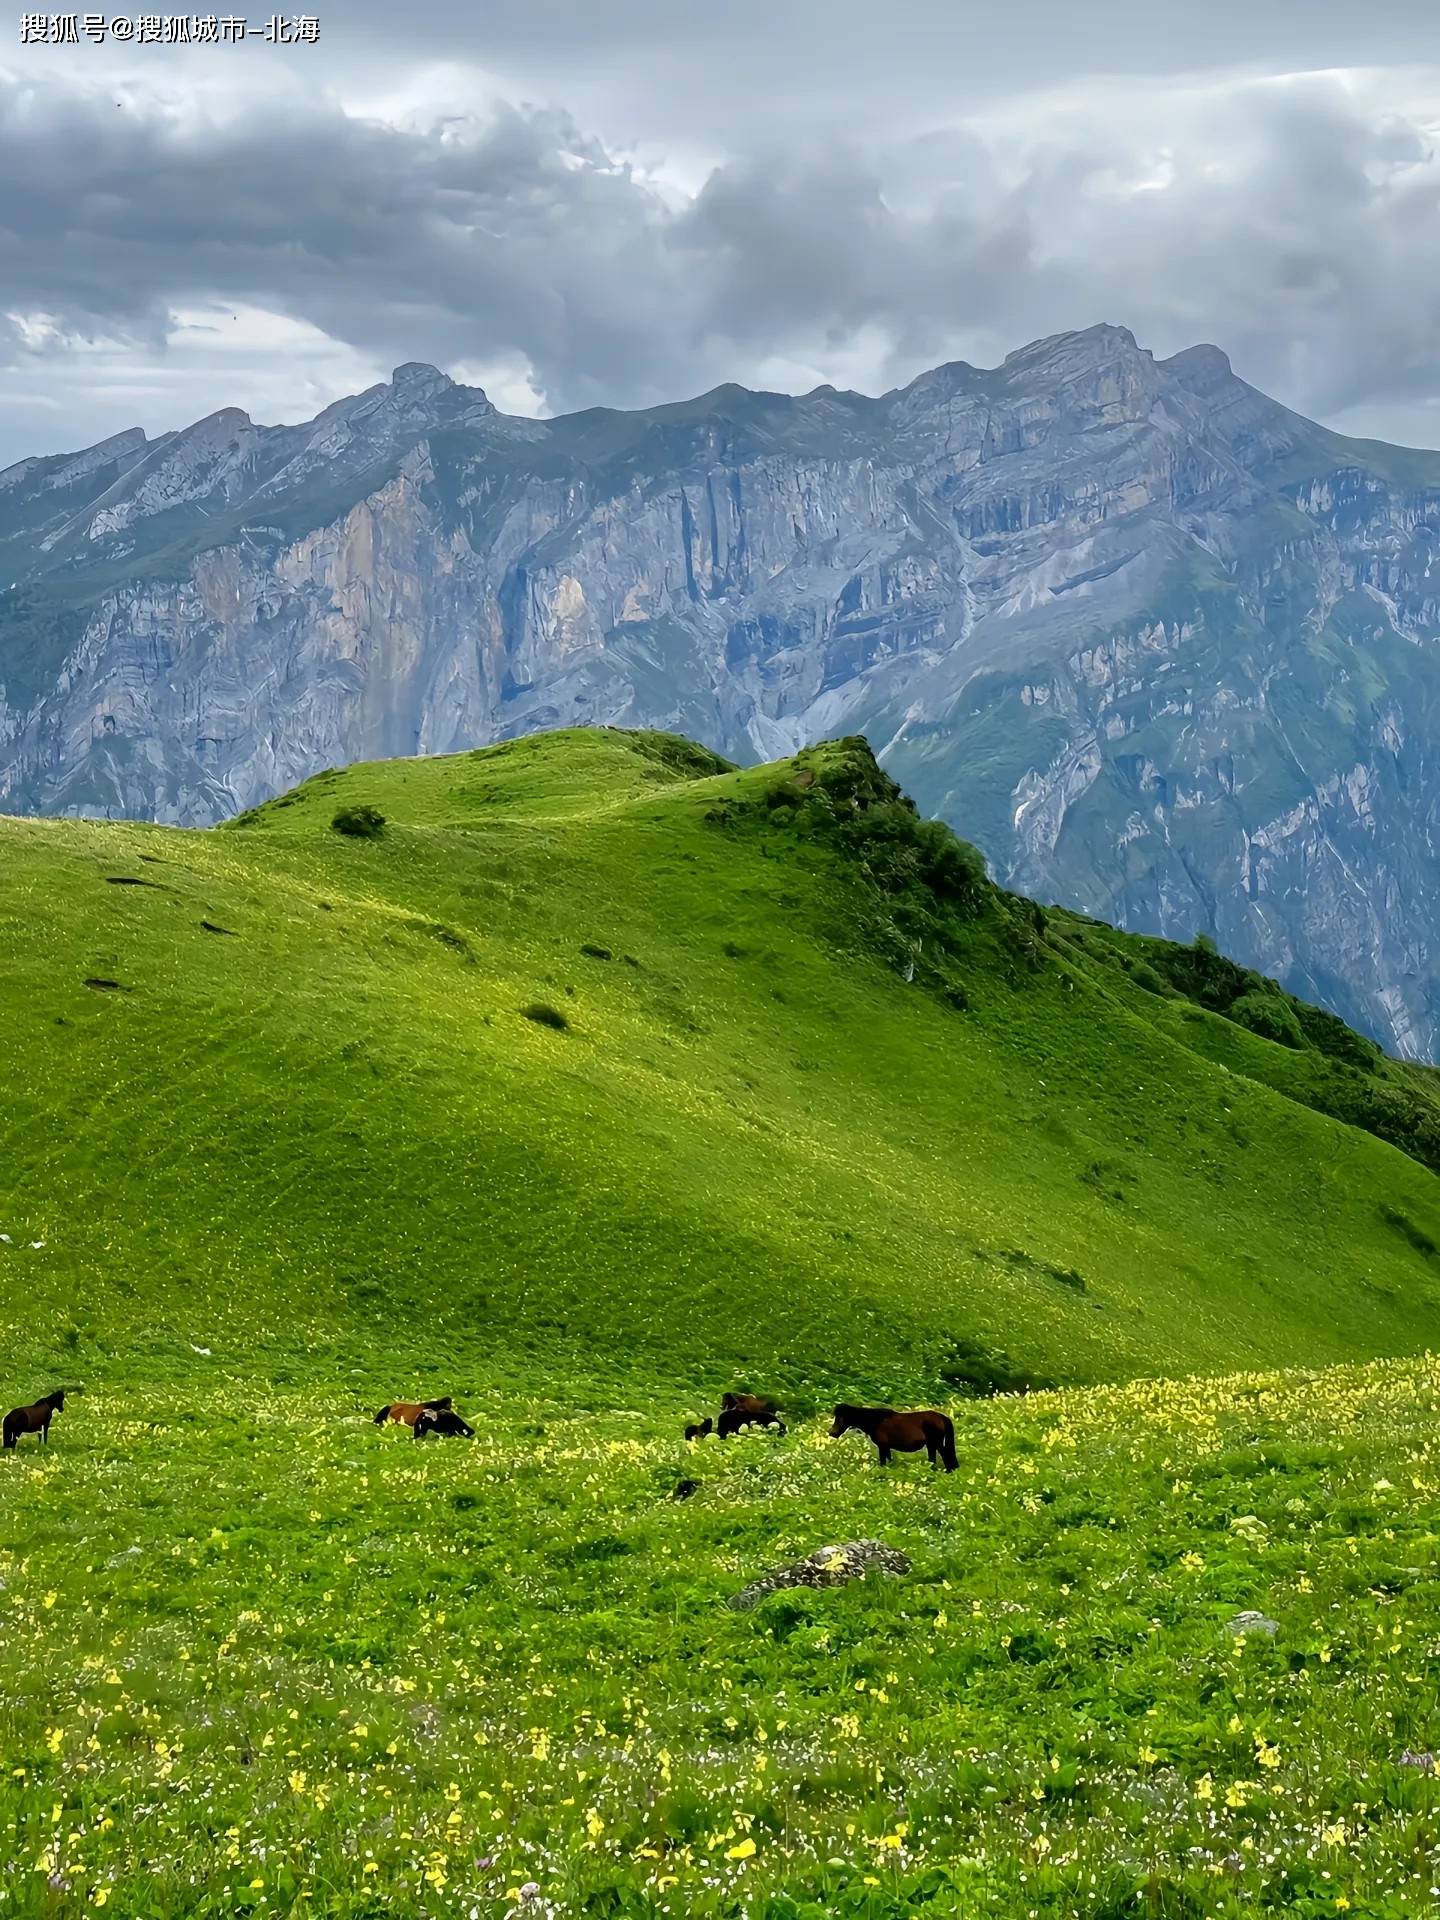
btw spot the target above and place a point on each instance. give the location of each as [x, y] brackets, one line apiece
[1407, 1229]
[783, 796]
[1329, 1035]
[1270, 1016]
[981, 1372]
[1203, 974]
[546, 1016]
[902, 852]
[359, 823]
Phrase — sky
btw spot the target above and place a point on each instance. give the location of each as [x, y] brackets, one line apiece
[573, 204]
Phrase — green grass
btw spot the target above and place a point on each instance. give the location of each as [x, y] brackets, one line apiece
[263, 1658]
[595, 1079]
[757, 1152]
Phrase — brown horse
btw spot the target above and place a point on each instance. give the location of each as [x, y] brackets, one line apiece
[895, 1432]
[405, 1413]
[34, 1419]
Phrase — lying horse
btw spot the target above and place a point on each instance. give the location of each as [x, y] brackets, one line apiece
[746, 1410]
[895, 1432]
[34, 1419]
[443, 1421]
[738, 1410]
[406, 1412]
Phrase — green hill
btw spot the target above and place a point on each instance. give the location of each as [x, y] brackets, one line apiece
[604, 1062]
[597, 1078]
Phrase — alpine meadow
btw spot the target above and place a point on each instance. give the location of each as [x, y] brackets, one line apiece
[583, 1078]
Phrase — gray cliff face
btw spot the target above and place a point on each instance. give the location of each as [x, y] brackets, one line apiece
[1166, 651]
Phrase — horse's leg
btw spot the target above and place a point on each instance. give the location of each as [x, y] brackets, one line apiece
[884, 1454]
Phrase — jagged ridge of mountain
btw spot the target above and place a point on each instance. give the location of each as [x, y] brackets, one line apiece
[1166, 650]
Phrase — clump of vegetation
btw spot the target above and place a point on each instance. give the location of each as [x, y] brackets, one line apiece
[1407, 1229]
[676, 754]
[359, 822]
[970, 1368]
[544, 1015]
[1330, 1035]
[1268, 1014]
[446, 936]
[925, 883]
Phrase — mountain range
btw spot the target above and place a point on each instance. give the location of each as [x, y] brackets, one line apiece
[1163, 649]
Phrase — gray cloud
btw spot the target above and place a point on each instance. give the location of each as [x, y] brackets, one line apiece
[1294, 223]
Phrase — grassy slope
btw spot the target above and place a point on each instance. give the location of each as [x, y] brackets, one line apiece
[331, 1140]
[262, 1659]
[265, 1659]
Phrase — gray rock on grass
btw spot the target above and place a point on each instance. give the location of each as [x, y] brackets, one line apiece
[826, 1567]
[1251, 1622]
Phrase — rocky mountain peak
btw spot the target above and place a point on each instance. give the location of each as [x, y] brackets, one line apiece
[1202, 369]
[1092, 345]
[1164, 649]
[415, 383]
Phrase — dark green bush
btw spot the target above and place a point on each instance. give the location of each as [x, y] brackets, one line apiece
[360, 823]
[783, 796]
[1329, 1035]
[1407, 1229]
[545, 1016]
[1270, 1016]
[973, 1369]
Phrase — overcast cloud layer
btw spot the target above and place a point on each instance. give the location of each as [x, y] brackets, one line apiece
[184, 231]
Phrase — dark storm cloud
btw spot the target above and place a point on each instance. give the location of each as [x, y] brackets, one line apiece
[1297, 225]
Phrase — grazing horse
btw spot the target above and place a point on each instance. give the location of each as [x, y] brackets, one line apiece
[35, 1419]
[895, 1432]
[739, 1410]
[443, 1421]
[707, 1425]
[406, 1412]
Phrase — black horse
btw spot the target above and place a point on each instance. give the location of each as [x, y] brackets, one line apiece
[444, 1421]
[738, 1410]
[34, 1419]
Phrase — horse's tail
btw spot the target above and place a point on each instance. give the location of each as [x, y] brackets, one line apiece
[947, 1445]
[12, 1430]
[382, 1416]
